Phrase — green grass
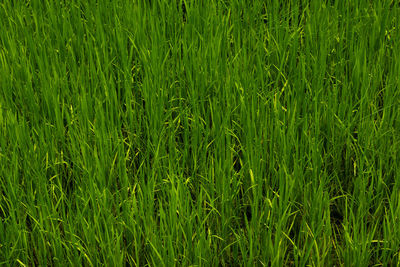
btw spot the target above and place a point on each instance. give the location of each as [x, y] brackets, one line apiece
[199, 133]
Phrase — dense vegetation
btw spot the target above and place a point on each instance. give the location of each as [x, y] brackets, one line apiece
[203, 133]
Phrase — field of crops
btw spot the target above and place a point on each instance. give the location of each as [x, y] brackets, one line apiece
[199, 133]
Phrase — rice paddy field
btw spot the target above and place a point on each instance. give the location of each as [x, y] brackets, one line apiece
[199, 133]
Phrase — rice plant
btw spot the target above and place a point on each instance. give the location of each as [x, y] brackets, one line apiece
[199, 133]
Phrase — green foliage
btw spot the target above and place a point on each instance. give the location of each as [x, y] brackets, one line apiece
[199, 133]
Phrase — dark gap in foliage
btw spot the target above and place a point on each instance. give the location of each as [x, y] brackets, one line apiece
[35, 259]
[4, 212]
[244, 206]
[194, 190]
[237, 155]
[287, 10]
[297, 224]
[248, 212]
[336, 216]
[346, 171]
[66, 171]
[379, 101]
[28, 223]
[134, 163]
[183, 10]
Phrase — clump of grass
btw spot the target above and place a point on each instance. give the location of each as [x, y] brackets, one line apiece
[208, 133]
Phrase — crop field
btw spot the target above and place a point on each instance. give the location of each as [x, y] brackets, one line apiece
[199, 133]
